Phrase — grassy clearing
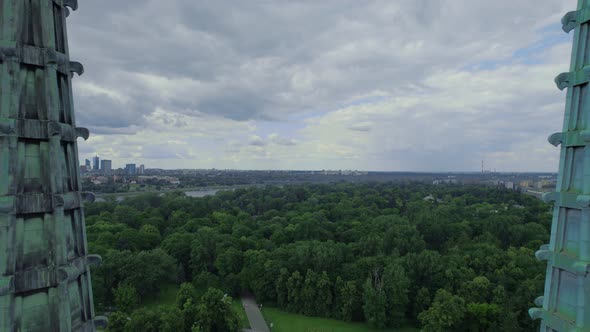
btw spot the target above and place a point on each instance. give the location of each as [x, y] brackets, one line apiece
[288, 322]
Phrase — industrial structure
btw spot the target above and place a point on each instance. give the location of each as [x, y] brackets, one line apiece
[565, 306]
[44, 263]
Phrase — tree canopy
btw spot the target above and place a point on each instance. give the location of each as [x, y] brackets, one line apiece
[374, 252]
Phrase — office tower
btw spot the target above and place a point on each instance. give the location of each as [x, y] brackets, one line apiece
[130, 169]
[95, 163]
[44, 261]
[87, 164]
[141, 169]
[106, 167]
[565, 305]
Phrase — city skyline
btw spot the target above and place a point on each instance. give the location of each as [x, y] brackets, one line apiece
[122, 165]
[385, 86]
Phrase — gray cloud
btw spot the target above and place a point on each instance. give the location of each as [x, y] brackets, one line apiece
[164, 151]
[277, 139]
[261, 60]
[364, 126]
[234, 104]
[107, 115]
[279, 60]
[256, 141]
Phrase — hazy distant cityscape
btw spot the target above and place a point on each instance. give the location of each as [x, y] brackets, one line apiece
[105, 167]
[102, 178]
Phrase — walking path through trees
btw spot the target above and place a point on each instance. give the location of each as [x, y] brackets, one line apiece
[255, 318]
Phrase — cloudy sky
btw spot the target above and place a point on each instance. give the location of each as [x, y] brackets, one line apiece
[404, 85]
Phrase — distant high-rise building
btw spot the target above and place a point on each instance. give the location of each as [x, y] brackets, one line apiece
[95, 163]
[106, 166]
[83, 169]
[130, 169]
[87, 164]
[141, 169]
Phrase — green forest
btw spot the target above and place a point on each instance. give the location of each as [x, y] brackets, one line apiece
[439, 258]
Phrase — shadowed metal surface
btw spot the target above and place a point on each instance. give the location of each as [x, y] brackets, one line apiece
[565, 306]
[44, 263]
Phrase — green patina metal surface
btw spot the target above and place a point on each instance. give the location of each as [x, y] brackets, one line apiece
[44, 263]
[565, 305]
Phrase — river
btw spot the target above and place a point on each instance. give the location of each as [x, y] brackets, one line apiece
[190, 193]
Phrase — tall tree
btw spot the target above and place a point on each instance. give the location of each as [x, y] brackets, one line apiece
[185, 293]
[204, 251]
[126, 297]
[348, 299]
[117, 322]
[396, 284]
[215, 314]
[149, 270]
[309, 294]
[375, 302]
[445, 314]
[325, 296]
[294, 295]
[282, 288]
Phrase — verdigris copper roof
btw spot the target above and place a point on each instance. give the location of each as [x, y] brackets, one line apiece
[44, 263]
[565, 305]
